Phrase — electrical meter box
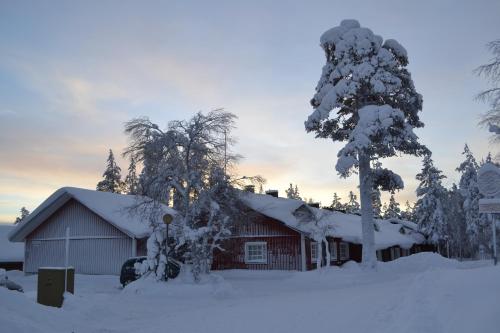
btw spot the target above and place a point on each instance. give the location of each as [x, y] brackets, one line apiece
[51, 281]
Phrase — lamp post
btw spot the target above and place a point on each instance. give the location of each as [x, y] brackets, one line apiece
[167, 219]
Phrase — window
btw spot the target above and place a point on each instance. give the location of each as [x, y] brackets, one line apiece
[256, 252]
[333, 250]
[314, 252]
[379, 255]
[405, 252]
[344, 251]
[395, 254]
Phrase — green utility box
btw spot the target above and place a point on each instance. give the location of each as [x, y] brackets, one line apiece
[51, 285]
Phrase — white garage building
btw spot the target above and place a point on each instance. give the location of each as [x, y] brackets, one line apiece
[104, 232]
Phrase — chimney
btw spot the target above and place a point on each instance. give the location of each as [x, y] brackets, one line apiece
[273, 193]
[250, 188]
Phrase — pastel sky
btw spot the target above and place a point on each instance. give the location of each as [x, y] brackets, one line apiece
[72, 72]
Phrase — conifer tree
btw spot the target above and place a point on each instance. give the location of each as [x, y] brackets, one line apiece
[112, 177]
[457, 228]
[293, 192]
[376, 203]
[352, 206]
[409, 212]
[431, 196]
[366, 97]
[132, 181]
[470, 193]
[24, 214]
[393, 211]
[336, 203]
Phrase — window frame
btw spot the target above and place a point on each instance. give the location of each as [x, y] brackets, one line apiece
[263, 259]
[314, 250]
[346, 250]
[332, 246]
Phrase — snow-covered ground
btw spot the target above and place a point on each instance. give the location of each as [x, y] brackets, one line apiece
[420, 293]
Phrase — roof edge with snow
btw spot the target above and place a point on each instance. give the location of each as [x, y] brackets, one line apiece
[111, 207]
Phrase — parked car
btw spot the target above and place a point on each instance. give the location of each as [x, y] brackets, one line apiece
[129, 272]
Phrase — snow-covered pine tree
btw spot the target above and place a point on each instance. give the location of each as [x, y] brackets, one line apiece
[431, 200]
[470, 192]
[24, 214]
[336, 203]
[352, 206]
[409, 212]
[112, 177]
[187, 164]
[393, 211]
[132, 181]
[457, 228]
[366, 96]
[376, 203]
[293, 192]
[384, 207]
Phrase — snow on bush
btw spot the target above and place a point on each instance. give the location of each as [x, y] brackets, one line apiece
[185, 285]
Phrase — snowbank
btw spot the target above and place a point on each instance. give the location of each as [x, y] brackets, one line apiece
[415, 294]
[211, 285]
[20, 314]
[418, 262]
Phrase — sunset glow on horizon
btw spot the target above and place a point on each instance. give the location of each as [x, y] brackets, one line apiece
[71, 75]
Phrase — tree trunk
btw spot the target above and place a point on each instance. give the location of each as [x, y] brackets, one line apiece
[369, 259]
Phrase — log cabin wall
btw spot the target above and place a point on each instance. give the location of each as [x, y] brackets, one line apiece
[282, 245]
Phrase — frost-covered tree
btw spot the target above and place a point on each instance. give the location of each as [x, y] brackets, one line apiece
[186, 164]
[491, 96]
[470, 192]
[337, 203]
[352, 205]
[457, 228]
[376, 203]
[112, 181]
[409, 212]
[131, 180]
[319, 229]
[293, 192]
[393, 211]
[366, 97]
[431, 198]
[24, 213]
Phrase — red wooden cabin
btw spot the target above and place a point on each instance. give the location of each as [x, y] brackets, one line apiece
[273, 235]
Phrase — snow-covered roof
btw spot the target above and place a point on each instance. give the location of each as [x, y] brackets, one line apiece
[112, 207]
[280, 209]
[345, 226]
[9, 251]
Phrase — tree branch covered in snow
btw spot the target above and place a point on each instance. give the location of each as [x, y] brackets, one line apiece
[366, 98]
[187, 166]
[491, 71]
